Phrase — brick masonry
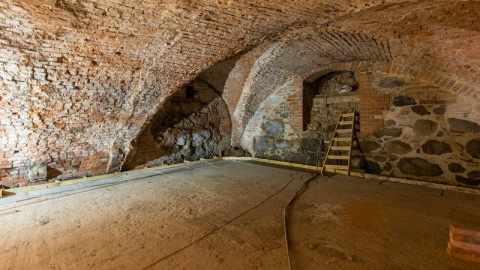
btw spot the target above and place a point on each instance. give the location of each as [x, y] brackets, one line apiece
[81, 79]
[409, 127]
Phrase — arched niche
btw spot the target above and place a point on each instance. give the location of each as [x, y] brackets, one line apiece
[191, 124]
[326, 95]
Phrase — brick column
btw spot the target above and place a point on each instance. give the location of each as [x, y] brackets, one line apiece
[295, 101]
[371, 105]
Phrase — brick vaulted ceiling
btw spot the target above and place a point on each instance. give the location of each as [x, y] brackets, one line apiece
[82, 77]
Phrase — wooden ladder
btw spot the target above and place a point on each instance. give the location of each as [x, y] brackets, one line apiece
[340, 148]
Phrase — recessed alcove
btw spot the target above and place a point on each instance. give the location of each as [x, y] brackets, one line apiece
[325, 97]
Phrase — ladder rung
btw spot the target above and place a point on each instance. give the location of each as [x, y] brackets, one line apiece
[337, 167]
[346, 131]
[340, 148]
[342, 139]
[337, 157]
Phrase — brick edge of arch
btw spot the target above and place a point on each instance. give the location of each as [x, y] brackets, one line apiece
[371, 104]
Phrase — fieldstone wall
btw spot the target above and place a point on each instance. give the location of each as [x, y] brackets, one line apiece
[427, 133]
[329, 103]
[327, 109]
[279, 142]
[194, 123]
[80, 80]
[430, 134]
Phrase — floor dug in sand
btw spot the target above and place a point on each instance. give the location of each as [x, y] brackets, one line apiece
[219, 216]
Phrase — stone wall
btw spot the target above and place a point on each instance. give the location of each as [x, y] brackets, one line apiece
[430, 134]
[80, 80]
[330, 102]
[278, 141]
[327, 109]
[285, 105]
[192, 124]
[427, 132]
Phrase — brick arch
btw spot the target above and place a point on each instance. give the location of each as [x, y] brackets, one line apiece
[356, 66]
[237, 80]
[436, 36]
[441, 79]
[299, 53]
[438, 40]
[371, 105]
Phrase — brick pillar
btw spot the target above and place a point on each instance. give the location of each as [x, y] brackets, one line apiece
[371, 105]
[295, 101]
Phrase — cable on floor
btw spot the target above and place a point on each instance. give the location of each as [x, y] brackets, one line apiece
[221, 226]
[285, 210]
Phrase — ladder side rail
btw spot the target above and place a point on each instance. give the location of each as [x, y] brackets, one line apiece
[351, 142]
[332, 140]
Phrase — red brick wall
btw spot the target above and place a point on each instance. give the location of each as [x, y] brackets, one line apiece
[371, 105]
[446, 81]
[295, 102]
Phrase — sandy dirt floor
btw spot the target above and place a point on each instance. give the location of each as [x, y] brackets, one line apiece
[229, 215]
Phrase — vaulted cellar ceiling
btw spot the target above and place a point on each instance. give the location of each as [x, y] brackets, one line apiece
[80, 79]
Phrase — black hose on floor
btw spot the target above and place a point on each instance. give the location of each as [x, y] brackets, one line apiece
[285, 210]
[222, 225]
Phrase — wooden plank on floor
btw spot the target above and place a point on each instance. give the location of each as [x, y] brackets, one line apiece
[104, 176]
[288, 164]
[465, 239]
[464, 232]
[237, 158]
[464, 244]
[6, 193]
[377, 177]
[414, 182]
[459, 254]
[13, 211]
